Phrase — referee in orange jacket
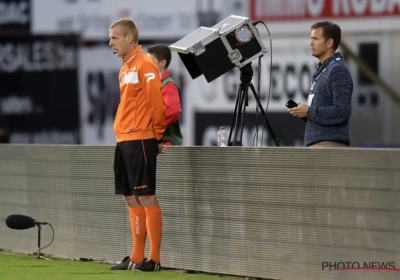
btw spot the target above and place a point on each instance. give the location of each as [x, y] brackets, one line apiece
[139, 128]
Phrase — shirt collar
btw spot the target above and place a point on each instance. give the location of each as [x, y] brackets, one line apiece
[165, 75]
[333, 57]
[132, 54]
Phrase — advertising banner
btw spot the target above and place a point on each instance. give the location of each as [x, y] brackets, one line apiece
[39, 89]
[15, 16]
[295, 10]
[98, 94]
[159, 20]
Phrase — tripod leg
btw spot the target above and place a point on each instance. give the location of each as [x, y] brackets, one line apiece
[239, 127]
[234, 117]
[276, 141]
[246, 103]
[238, 117]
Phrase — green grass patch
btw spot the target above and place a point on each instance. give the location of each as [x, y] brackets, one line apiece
[24, 267]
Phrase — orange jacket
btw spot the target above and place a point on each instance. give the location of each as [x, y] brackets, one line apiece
[141, 111]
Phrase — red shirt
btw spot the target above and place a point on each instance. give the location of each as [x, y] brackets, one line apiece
[170, 94]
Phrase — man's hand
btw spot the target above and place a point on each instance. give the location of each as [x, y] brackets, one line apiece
[300, 111]
[161, 149]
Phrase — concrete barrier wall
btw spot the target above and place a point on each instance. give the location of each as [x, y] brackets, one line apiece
[275, 213]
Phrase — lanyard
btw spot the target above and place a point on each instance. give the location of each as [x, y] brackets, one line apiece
[322, 72]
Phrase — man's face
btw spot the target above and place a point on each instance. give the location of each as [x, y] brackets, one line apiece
[318, 44]
[119, 40]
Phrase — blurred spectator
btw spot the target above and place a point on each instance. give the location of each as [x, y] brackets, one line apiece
[98, 102]
[161, 55]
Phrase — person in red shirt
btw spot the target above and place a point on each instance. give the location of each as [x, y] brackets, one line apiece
[161, 55]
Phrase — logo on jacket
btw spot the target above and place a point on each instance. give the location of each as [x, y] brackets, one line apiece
[150, 76]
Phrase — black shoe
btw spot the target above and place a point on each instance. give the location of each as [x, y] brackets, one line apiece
[148, 265]
[125, 264]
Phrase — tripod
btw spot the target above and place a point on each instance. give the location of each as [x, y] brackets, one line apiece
[242, 101]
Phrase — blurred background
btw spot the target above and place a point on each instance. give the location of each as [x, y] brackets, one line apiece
[59, 78]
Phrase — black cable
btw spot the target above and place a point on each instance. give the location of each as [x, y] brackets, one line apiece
[255, 139]
[270, 74]
[52, 239]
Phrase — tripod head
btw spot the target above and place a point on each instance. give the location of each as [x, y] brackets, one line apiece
[246, 75]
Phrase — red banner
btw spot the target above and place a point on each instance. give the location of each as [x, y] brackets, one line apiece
[277, 10]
